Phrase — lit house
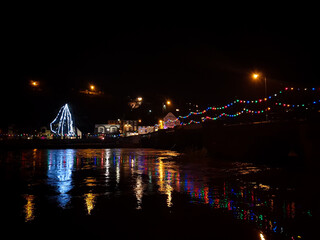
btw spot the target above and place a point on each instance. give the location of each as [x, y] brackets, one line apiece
[170, 121]
[107, 128]
[125, 127]
[129, 127]
[146, 129]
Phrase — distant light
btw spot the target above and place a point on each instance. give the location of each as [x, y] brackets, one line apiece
[34, 83]
[255, 76]
[168, 102]
[262, 237]
[177, 110]
[92, 87]
[139, 99]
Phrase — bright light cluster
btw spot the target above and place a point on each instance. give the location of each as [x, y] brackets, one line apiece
[62, 125]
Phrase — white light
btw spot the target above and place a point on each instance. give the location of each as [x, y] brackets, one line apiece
[63, 125]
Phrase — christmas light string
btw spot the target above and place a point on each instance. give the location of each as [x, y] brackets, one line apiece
[247, 110]
[63, 126]
[238, 101]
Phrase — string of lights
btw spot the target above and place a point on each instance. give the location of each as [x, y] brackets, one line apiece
[257, 101]
[246, 110]
[62, 125]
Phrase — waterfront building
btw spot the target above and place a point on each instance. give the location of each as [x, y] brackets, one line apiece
[45, 133]
[124, 127]
[107, 128]
[170, 121]
[146, 129]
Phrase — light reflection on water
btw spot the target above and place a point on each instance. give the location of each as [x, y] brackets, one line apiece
[90, 175]
[29, 208]
[60, 167]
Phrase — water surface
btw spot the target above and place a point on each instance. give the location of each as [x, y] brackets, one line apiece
[146, 193]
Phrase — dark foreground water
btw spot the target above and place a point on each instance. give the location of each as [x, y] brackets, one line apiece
[150, 194]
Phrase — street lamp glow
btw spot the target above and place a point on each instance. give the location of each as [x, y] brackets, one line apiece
[139, 99]
[92, 87]
[168, 102]
[34, 83]
[255, 76]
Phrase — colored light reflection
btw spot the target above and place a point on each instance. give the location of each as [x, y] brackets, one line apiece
[29, 208]
[60, 166]
[148, 172]
[90, 201]
[139, 192]
[90, 181]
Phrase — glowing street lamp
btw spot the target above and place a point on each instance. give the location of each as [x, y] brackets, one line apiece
[34, 83]
[256, 76]
[165, 105]
[92, 87]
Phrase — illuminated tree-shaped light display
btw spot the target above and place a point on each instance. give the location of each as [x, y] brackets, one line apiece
[62, 125]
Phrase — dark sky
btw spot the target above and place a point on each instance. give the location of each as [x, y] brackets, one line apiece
[194, 57]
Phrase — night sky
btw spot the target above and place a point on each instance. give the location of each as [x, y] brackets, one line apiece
[193, 57]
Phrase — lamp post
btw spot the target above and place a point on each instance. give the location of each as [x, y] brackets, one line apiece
[165, 105]
[256, 76]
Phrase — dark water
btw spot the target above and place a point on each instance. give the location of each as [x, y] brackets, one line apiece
[150, 194]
